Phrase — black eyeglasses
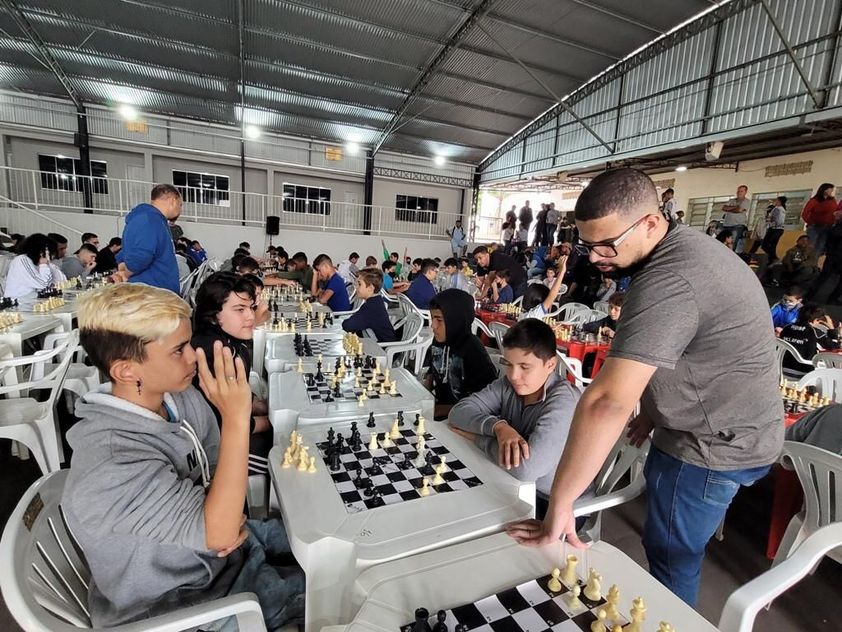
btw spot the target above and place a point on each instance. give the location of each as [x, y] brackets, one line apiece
[608, 248]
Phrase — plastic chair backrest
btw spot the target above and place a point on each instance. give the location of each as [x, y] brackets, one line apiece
[518, 301]
[782, 347]
[828, 382]
[623, 459]
[820, 473]
[412, 327]
[478, 326]
[499, 330]
[43, 572]
[573, 366]
[601, 306]
[827, 360]
[51, 379]
[570, 310]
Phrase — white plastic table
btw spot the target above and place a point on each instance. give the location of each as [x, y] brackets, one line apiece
[290, 407]
[333, 546]
[386, 596]
[33, 325]
[262, 334]
[280, 352]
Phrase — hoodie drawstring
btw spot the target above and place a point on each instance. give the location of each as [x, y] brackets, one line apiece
[200, 452]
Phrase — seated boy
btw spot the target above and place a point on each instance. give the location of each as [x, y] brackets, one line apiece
[459, 365]
[334, 294]
[812, 333]
[372, 313]
[422, 289]
[785, 311]
[155, 491]
[454, 278]
[538, 299]
[521, 420]
[501, 291]
[608, 325]
[389, 284]
[415, 269]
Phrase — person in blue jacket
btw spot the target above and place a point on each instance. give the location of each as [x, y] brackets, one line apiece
[148, 254]
[422, 289]
[785, 311]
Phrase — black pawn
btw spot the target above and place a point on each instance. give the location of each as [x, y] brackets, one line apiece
[337, 392]
[417, 419]
[461, 627]
[329, 398]
[440, 625]
[334, 461]
[353, 428]
[400, 419]
[330, 435]
[370, 423]
[421, 621]
[340, 442]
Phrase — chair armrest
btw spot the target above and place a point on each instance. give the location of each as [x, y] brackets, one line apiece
[612, 499]
[243, 606]
[745, 602]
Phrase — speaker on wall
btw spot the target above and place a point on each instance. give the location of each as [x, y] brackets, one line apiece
[273, 225]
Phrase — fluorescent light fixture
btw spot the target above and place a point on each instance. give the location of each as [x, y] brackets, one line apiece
[252, 131]
[439, 161]
[128, 112]
[352, 148]
[681, 168]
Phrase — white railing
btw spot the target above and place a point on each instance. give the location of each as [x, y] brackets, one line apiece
[19, 218]
[44, 191]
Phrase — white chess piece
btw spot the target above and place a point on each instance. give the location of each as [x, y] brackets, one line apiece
[593, 589]
[573, 601]
[420, 429]
[395, 432]
[599, 624]
[554, 584]
[637, 615]
[372, 445]
[425, 488]
[569, 576]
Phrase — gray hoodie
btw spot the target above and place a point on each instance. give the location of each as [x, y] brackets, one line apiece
[134, 499]
[544, 424]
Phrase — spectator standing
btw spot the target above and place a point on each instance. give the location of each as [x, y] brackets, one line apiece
[832, 261]
[540, 226]
[735, 216]
[458, 243]
[348, 269]
[148, 254]
[552, 224]
[525, 216]
[669, 205]
[818, 215]
[496, 261]
[774, 228]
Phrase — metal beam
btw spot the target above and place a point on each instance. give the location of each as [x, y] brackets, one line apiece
[834, 55]
[47, 57]
[405, 174]
[477, 14]
[617, 15]
[804, 78]
[242, 60]
[549, 91]
[669, 40]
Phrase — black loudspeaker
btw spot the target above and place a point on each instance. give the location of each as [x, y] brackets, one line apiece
[273, 225]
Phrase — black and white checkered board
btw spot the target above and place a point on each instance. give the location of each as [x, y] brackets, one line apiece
[399, 479]
[529, 607]
[328, 347]
[300, 323]
[348, 392]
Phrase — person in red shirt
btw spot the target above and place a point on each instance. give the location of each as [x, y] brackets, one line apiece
[818, 215]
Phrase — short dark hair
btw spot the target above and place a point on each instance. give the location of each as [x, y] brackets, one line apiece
[782, 199]
[388, 265]
[427, 265]
[395, 255]
[724, 234]
[36, 245]
[417, 261]
[810, 312]
[247, 263]
[532, 335]
[194, 242]
[372, 277]
[624, 191]
[245, 244]
[451, 261]
[87, 236]
[163, 190]
[241, 251]
[322, 259]
[480, 250]
[115, 241]
[535, 294]
[796, 291]
[371, 260]
[354, 255]
[214, 292]
[254, 280]
[59, 239]
[670, 190]
[617, 299]
[89, 247]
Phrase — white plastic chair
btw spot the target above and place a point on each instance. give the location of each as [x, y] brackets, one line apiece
[624, 463]
[410, 341]
[782, 347]
[828, 383]
[573, 367]
[602, 306]
[80, 379]
[820, 473]
[745, 602]
[45, 580]
[587, 316]
[827, 360]
[25, 419]
[499, 330]
[478, 326]
[569, 311]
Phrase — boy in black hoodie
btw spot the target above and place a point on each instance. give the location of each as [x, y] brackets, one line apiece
[460, 364]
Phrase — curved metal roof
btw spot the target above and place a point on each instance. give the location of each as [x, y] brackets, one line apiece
[417, 76]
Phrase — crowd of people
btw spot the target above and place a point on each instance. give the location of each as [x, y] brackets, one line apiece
[162, 451]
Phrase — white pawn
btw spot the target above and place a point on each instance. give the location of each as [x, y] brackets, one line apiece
[554, 584]
[663, 626]
[421, 429]
[387, 442]
[599, 624]
[372, 445]
[395, 433]
[425, 488]
[573, 601]
[593, 589]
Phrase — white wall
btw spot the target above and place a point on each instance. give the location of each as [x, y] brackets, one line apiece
[24, 154]
[385, 192]
[342, 188]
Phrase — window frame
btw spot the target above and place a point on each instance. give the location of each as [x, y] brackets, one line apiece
[197, 193]
[66, 179]
[416, 209]
[306, 199]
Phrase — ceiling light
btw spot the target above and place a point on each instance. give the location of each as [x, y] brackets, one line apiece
[128, 112]
[681, 168]
[352, 148]
[252, 131]
[439, 161]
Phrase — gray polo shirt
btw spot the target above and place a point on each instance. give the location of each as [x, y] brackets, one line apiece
[737, 219]
[697, 312]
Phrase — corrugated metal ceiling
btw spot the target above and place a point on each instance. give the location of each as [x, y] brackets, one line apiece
[331, 68]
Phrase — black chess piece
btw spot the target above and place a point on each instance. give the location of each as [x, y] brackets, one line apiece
[310, 380]
[358, 479]
[353, 428]
[368, 488]
[334, 461]
[329, 398]
[330, 435]
[337, 392]
[440, 625]
[400, 419]
[319, 375]
[340, 442]
[337, 365]
[460, 627]
[417, 419]
[422, 617]
[377, 499]
[370, 423]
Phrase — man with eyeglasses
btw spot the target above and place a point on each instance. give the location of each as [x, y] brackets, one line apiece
[693, 340]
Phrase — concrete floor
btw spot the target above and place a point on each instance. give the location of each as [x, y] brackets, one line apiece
[811, 605]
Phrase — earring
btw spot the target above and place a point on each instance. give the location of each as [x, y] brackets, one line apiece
[139, 387]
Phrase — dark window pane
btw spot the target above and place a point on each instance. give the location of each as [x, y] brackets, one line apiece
[47, 163]
[222, 183]
[179, 178]
[99, 169]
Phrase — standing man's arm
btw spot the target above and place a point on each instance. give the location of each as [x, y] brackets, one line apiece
[602, 413]
[139, 250]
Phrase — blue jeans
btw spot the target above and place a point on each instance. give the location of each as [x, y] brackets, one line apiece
[685, 505]
[818, 237]
[270, 572]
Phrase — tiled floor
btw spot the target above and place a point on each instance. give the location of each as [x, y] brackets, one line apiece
[812, 605]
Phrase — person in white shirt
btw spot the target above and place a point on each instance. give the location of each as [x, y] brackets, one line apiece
[32, 270]
[538, 299]
[348, 269]
[670, 207]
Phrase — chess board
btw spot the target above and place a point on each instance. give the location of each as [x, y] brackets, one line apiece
[320, 390]
[326, 346]
[398, 479]
[528, 607]
[300, 322]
